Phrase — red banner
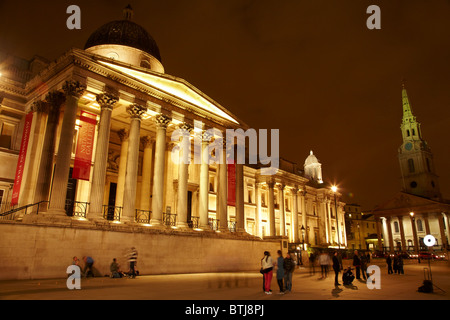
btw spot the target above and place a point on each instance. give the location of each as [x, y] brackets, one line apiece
[85, 144]
[231, 184]
[22, 157]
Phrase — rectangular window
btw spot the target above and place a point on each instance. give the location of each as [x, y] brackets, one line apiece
[411, 165]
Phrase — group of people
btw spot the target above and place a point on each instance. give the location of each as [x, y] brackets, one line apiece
[115, 271]
[395, 265]
[360, 262]
[284, 270]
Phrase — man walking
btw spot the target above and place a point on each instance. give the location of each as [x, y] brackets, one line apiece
[132, 259]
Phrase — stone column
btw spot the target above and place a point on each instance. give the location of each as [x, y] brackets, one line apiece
[240, 208]
[303, 201]
[129, 196]
[402, 232]
[427, 223]
[184, 158]
[443, 242]
[271, 208]
[106, 102]
[158, 177]
[389, 230]
[282, 213]
[123, 135]
[222, 198]
[328, 222]
[415, 240]
[54, 100]
[258, 210]
[147, 143]
[204, 181]
[295, 228]
[378, 225]
[74, 90]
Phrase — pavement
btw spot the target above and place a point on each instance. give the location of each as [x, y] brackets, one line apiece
[239, 286]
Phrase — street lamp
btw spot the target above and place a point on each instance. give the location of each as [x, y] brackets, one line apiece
[303, 243]
[334, 189]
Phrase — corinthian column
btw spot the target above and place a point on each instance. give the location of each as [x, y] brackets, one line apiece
[282, 213]
[270, 199]
[123, 135]
[147, 143]
[184, 158]
[295, 214]
[54, 101]
[129, 196]
[106, 102]
[240, 208]
[222, 197]
[204, 181]
[74, 90]
[158, 178]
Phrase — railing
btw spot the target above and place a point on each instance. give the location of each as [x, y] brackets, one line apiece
[76, 208]
[169, 219]
[232, 226]
[213, 224]
[10, 213]
[194, 222]
[142, 216]
[112, 213]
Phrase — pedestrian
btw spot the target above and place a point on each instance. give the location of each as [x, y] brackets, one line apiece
[324, 261]
[88, 264]
[115, 269]
[396, 264]
[76, 261]
[357, 264]
[336, 268]
[280, 271]
[312, 261]
[363, 259]
[389, 264]
[289, 267]
[400, 265]
[368, 257]
[347, 277]
[267, 271]
[132, 259]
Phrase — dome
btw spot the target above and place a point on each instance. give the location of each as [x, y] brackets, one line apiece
[312, 159]
[125, 33]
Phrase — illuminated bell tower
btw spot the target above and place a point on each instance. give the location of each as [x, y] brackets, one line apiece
[415, 157]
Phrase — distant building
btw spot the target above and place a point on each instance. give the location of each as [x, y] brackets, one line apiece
[419, 208]
[361, 228]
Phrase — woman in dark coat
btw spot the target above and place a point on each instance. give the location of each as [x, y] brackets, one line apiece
[336, 268]
[357, 264]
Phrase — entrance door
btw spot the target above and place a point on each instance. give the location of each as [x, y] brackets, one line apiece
[70, 195]
[111, 201]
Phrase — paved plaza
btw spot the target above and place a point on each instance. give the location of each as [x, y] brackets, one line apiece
[236, 286]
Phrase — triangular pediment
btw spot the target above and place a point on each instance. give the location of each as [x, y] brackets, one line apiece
[405, 203]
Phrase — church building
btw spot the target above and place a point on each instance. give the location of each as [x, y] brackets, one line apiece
[419, 208]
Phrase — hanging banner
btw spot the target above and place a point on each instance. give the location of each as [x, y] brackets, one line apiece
[85, 145]
[231, 183]
[22, 157]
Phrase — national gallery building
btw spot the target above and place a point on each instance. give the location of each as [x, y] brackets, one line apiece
[89, 167]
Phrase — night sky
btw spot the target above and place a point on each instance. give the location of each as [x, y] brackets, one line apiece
[309, 68]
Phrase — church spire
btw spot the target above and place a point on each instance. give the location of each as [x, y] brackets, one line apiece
[407, 110]
[128, 12]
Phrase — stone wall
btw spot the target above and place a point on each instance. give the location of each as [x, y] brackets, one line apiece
[44, 249]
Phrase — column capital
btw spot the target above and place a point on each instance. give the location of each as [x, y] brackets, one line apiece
[123, 134]
[162, 121]
[270, 184]
[294, 191]
[281, 186]
[106, 100]
[147, 141]
[186, 126]
[136, 111]
[55, 99]
[73, 88]
[40, 106]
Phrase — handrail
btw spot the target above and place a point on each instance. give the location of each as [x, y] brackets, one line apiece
[6, 213]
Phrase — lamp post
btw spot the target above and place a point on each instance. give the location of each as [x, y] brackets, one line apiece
[334, 189]
[413, 224]
[303, 243]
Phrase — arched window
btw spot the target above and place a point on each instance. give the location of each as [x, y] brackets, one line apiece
[396, 228]
[419, 225]
[413, 132]
[145, 64]
[407, 133]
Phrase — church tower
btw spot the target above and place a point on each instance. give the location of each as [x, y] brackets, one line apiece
[415, 157]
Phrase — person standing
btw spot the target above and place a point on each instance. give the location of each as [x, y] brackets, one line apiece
[396, 264]
[132, 259]
[363, 259]
[289, 267]
[324, 261]
[280, 271]
[357, 264]
[312, 261]
[389, 264]
[267, 271]
[336, 268]
[88, 263]
[400, 264]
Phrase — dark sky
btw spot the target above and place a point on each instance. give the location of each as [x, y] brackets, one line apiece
[309, 68]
